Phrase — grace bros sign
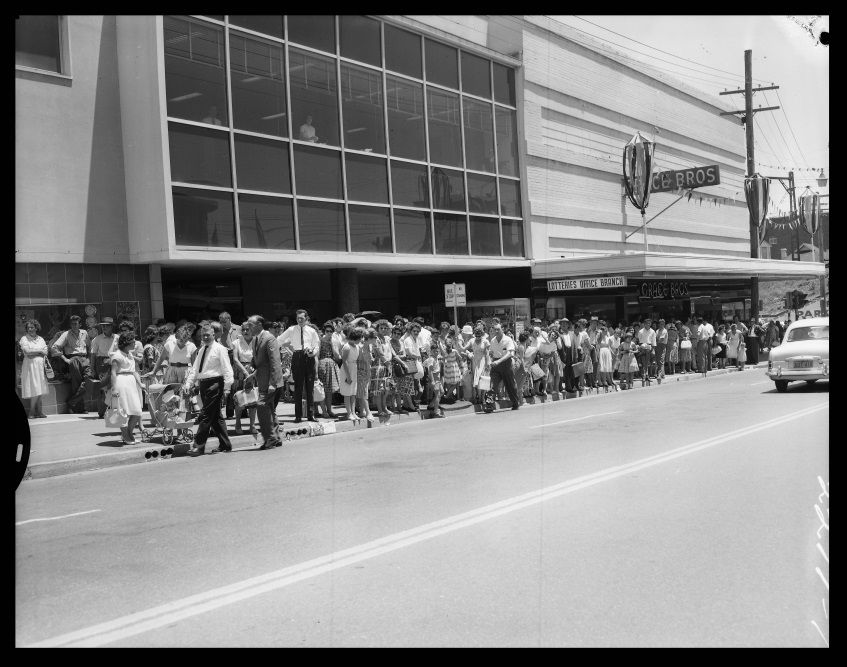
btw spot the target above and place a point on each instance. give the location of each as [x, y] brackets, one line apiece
[659, 289]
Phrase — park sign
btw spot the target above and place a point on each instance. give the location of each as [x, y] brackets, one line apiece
[696, 177]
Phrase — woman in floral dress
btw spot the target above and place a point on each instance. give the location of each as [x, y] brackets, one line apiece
[452, 370]
[327, 369]
[381, 367]
[404, 385]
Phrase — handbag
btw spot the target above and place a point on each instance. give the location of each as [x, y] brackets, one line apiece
[48, 369]
[399, 367]
[685, 344]
[578, 369]
[411, 366]
[536, 371]
[318, 393]
[484, 383]
[716, 349]
[419, 373]
[246, 398]
[115, 417]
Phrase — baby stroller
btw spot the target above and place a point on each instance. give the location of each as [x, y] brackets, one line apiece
[170, 414]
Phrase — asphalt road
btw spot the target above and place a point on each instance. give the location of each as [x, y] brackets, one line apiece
[683, 515]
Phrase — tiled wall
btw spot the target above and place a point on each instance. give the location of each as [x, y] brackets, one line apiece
[39, 283]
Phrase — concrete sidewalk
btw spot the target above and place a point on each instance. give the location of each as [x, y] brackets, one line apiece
[67, 443]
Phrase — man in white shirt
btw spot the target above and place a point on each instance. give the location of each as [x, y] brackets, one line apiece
[306, 344]
[101, 348]
[502, 349]
[72, 346]
[705, 333]
[212, 372]
[646, 344]
[424, 337]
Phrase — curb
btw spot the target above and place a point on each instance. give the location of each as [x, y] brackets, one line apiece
[291, 432]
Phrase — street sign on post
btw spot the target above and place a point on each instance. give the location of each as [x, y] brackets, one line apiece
[454, 295]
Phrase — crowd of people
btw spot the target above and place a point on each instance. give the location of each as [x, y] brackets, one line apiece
[375, 368]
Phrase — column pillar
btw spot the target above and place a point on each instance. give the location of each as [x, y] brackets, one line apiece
[345, 290]
[157, 303]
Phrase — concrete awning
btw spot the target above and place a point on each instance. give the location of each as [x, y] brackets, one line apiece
[666, 265]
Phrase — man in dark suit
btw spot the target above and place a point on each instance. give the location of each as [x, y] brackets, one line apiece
[267, 376]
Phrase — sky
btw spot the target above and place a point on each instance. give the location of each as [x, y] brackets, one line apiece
[707, 53]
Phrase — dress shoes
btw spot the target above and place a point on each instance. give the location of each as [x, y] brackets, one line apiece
[270, 443]
[311, 418]
[221, 450]
[197, 451]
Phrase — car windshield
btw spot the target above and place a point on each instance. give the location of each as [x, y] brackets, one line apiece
[808, 333]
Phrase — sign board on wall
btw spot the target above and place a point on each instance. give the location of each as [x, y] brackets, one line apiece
[696, 177]
[586, 283]
[662, 289]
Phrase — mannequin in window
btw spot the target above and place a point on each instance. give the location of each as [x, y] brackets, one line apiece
[212, 116]
[307, 131]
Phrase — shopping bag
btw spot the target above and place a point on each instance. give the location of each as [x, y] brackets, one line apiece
[318, 393]
[48, 369]
[579, 369]
[246, 398]
[685, 344]
[537, 372]
[411, 366]
[484, 383]
[115, 417]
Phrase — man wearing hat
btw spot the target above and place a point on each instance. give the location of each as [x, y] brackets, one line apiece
[102, 347]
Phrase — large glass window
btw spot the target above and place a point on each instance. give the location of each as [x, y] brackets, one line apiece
[370, 229]
[510, 197]
[314, 97]
[409, 184]
[269, 25]
[258, 85]
[445, 136]
[364, 119]
[485, 236]
[451, 234]
[479, 135]
[315, 31]
[321, 226]
[482, 194]
[266, 222]
[318, 172]
[412, 233]
[262, 165]
[507, 141]
[360, 39]
[367, 178]
[442, 64]
[403, 51]
[195, 74]
[203, 218]
[199, 156]
[38, 42]
[448, 189]
[513, 238]
[504, 84]
[406, 131]
[476, 75]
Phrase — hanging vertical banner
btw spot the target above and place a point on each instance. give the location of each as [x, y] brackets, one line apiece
[809, 212]
[756, 191]
[637, 170]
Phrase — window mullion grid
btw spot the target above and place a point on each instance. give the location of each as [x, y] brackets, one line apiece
[387, 140]
[497, 175]
[426, 138]
[339, 95]
[231, 138]
[289, 120]
[464, 163]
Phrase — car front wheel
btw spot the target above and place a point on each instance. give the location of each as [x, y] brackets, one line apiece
[781, 386]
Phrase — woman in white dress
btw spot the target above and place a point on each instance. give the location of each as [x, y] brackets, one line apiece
[348, 372]
[126, 385]
[33, 380]
[480, 359]
[242, 365]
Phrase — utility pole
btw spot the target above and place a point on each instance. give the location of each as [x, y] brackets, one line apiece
[747, 119]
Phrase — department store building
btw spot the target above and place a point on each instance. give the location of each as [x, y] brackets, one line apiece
[177, 166]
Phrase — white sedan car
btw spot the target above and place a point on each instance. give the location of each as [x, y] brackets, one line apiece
[803, 354]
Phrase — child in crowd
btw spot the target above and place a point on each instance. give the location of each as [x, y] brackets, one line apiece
[452, 370]
[627, 363]
[432, 364]
[742, 353]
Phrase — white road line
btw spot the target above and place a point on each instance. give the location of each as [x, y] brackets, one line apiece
[178, 610]
[565, 421]
[55, 518]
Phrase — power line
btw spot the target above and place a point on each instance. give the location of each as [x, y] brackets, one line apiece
[779, 129]
[734, 74]
[782, 106]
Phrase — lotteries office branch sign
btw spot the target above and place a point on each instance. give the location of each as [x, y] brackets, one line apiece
[586, 283]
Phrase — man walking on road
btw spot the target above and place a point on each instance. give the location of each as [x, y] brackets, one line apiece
[502, 350]
[212, 371]
[305, 343]
[267, 376]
